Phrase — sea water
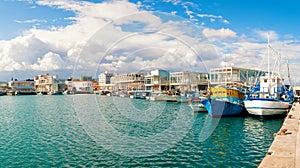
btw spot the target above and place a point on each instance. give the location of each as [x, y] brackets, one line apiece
[101, 131]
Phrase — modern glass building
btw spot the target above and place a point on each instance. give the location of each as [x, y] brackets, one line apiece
[235, 76]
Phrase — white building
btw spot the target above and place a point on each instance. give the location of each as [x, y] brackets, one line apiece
[158, 80]
[49, 83]
[128, 81]
[104, 80]
[80, 87]
[234, 76]
[188, 81]
[21, 87]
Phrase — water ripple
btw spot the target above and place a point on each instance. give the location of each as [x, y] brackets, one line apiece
[44, 131]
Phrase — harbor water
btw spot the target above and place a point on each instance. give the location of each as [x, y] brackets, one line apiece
[102, 131]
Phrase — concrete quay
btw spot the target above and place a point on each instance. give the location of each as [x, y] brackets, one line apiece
[285, 149]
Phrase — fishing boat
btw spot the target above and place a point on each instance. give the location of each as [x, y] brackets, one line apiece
[224, 101]
[271, 99]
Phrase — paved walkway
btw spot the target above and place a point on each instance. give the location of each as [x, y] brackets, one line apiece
[285, 149]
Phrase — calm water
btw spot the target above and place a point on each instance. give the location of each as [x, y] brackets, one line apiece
[90, 130]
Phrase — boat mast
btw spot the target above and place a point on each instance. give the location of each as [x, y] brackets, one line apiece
[269, 75]
[269, 55]
[289, 75]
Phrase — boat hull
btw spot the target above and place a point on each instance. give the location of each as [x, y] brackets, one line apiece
[163, 97]
[198, 108]
[266, 107]
[219, 108]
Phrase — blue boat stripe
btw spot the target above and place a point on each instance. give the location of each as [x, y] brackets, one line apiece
[266, 108]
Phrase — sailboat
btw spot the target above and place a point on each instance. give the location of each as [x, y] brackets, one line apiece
[270, 99]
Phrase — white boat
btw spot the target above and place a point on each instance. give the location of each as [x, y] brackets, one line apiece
[68, 92]
[39, 94]
[270, 100]
[266, 107]
[162, 97]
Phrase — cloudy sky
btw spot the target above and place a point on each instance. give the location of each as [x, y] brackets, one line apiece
[73, 38]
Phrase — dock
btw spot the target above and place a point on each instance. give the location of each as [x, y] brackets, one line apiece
[285, 149]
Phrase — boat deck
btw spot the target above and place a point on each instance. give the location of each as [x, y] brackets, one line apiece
[285, 149]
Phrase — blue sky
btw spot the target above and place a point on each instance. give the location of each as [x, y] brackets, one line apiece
[48, 34]
[13, 12]
[282, 16]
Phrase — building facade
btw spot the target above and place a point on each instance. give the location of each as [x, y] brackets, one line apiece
[25, 87]
[104, 80]
[157, 80]
[49, 84]
[128, 81]
[234, 76]
[80, 87]
[188, 81]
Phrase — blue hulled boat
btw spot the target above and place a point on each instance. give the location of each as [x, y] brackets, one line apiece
[224, 101]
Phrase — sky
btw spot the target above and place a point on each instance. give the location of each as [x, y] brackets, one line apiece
[74, 38]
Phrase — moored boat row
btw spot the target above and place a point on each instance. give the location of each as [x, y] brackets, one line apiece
[270, 97]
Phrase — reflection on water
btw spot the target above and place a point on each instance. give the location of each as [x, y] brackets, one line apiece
[65, 131]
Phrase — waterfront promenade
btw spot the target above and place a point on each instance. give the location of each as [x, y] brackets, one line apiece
[285, 149]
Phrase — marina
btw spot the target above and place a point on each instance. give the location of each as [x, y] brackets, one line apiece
[36, 133]
[171, 83]
[222, 117]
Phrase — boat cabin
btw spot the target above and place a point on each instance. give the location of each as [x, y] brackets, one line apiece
[272, 88]
[226, 92]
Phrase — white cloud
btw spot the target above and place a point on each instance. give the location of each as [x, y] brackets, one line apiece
[209, 16]
[220, 33]
[122, 38]
[173, 12]
[152, 43]
[212, 18]
[226, 21]
[264, 34]
[174, 2]
[23, 49]
[49, 62]
[31, 21]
